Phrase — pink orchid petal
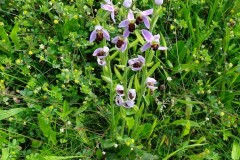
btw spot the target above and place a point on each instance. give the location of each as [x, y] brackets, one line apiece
[162, 48]
[130, 15]
[145, 47]
[107, 7]
[127, 3]
[124, 46]
[126, 32]
[101, 62]
[159, 2]
[141, 59]
[128, 104]
[113, 16]
[95, 53]
[106, 34]
[147, 35]
[115, 39]
[119, 101]
[147, 12]
[146, 21]
[93, 36]
[98, 27]
[124, 23]
[151, 80]
[131, 94]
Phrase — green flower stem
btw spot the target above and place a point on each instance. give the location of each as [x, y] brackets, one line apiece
[108, 73]
[142, 91]
[111, 89]
[124, 59]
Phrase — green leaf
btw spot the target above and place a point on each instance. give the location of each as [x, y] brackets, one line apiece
[184, 123]
[186, 130]
[189, 106]
[136, 83]
[107, 79]
[130, 82]
[11, 112]
[151, 71]
[118, 74]
[134, 43]
[139, 37]
[4, 35]
[14, 37]
[236, 150]
[107, 143]
[145, 130]
[5, 154]
[125, 151]
[114, 55]
[169, 64]
[46, 128]
[130, 123]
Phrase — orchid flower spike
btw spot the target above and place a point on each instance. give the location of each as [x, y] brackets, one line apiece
[152, 41]
[136, 64]
[119, 101]
[101, 52]
[109, 7]
[131, 94]
[128, 24]
[98, 34]
[143, 17]
[159, 2]
[121, 43]
[101, 61]
[120, 90]
[127, 3]
[151, 83]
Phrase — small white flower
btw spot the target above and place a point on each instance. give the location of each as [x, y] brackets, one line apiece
[41, 46]
[207, 119]
[115, 145]
[103, 152]
[131, 149]
[61, 130]
[169, 78]
[69, 123]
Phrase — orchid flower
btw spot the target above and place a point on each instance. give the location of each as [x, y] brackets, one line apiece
[150, 83]
[128, 104]
[101, 52]
[136, 63]
[127, 3]
[120, 90]
[131, 94]
[128, 24]
[109, 7]
[98, 34]
[121, 43]
[101, 61]
[159, 2]
[143, 17]
[152, 41]
[119, 101]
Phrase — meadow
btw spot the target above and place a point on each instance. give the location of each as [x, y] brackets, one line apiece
[102, 79]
